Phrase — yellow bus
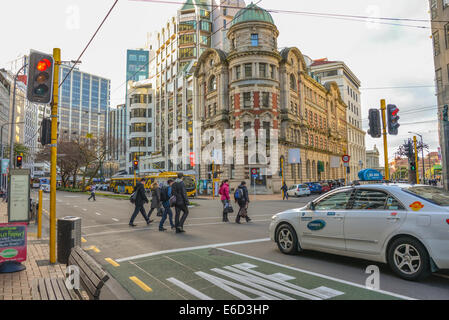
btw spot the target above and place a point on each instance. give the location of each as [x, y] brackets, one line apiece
[125, 184]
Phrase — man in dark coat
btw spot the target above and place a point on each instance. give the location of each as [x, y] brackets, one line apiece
[243, 203]
[182, 202]
[141, 199]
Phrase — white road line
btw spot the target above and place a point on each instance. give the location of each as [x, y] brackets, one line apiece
[147, 228]
[98, 214]
[204, 218]
[115, 219]
[226, 244]
[75, 206]
[84, 209]
[317, 274]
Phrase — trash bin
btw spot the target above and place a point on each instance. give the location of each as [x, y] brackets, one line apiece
[69, 236]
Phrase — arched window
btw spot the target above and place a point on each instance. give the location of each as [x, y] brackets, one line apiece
[212, 83]
[292, 82]
[308, 169]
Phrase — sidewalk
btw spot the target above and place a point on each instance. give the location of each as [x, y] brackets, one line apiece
[17, 286]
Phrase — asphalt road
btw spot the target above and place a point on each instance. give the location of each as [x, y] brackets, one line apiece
[107, 236]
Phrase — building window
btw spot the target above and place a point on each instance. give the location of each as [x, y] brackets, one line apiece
[255, 39]
[265, 99]
[433, 9]
[237, 72]
[263, 70]
[247, 99]
[248, 70]
[436, 43]
[445, 4]
[224, 24]
[272, 71]
[292, 82]
[439, 80]
[212, 83]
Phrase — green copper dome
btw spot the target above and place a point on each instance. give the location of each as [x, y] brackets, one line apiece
[252, 13]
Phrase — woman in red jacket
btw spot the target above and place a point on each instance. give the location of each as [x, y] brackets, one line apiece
[225, 199]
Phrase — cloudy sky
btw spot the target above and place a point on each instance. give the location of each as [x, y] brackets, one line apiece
[381, 55]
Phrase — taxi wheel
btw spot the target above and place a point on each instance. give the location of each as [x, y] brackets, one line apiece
[286, 239]
[409, 259]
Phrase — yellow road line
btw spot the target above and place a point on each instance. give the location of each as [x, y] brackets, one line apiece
[115, 264]
[83, 240]
[94, 248]
[142, 285]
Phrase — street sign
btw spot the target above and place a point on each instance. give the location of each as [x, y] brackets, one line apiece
[19, 195]
[13, 242]
[346, 158]
[254, 171]
[346, 164]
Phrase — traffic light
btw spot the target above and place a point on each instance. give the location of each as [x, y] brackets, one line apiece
[45, 137]
[413, 166]
[136, 164]
[40, 77]
[19, 161]
[393, 119]
[374, 123]
[445, 113]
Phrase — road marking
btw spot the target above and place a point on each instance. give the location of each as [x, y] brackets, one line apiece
[189, 289]
[93, 248]
[84, 209]
[316, 274]
[75, 206]
[98, 214]
[148, 228]
[115, 264]
[226, 244]
[115, 219]
[142, 285]
[83, 240]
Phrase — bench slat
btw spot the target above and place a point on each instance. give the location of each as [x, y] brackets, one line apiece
[64, 291]
[48, 286]
[42, 289]
[90, 281]
[92, 264]
[56, 289]
[81, 262]
[35, 290]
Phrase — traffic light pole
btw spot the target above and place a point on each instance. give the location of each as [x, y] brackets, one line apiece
[416, 160]
[54, 141]
[384, 132]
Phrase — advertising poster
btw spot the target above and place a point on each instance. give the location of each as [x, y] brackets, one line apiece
[13, 246]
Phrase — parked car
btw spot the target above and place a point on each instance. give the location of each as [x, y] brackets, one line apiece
[403, 225]
[298, 190]
[325, 187]
[315, 188]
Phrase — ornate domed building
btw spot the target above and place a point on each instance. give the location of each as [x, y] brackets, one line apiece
[254, 86]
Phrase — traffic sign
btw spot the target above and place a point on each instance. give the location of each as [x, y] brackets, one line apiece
[254, 171]
[346, 158]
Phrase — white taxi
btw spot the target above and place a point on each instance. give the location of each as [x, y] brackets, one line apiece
[406, 226]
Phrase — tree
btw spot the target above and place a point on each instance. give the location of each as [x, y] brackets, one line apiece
[19, 149]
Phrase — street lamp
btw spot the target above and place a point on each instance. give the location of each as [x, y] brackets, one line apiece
[422, 153]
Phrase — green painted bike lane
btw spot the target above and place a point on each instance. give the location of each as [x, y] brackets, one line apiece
[221, 274]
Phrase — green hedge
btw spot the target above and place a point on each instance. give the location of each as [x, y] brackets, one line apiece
[68, 189]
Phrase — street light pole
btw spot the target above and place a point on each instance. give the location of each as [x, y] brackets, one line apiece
[13, 109]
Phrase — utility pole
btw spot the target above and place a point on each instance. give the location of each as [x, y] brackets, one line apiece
[384, 132]
[54, 151]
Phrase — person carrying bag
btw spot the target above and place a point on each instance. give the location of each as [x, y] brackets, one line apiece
[225, 199]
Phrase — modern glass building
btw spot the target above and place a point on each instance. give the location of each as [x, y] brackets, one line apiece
[137, 65]
[84, 102]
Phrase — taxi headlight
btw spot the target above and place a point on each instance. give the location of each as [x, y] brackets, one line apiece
[274, 217]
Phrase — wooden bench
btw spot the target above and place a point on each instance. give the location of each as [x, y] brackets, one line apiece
[92, 280]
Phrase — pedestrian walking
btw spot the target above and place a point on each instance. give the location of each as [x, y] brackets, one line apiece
[166, 193]
[242, 198]
[92, 193]
[181, 204]
[155, 198]
[139, 198]
[225, 199]
[284, 189]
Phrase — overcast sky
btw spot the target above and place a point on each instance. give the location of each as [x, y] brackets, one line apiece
[380, 55]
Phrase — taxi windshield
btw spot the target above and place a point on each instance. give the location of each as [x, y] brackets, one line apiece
[432, 194]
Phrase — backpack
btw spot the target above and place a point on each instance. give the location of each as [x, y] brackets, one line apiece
[238, 195]
[164, 194]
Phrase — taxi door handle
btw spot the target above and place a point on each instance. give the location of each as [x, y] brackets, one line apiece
[394, 218]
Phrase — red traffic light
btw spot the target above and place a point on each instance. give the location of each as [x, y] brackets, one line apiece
[395, 112]
[43, 65]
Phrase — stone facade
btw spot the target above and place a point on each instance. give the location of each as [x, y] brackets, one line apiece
[256, 86]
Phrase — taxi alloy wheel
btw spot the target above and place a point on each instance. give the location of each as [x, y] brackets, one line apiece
[287, 240]
[409, 259]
